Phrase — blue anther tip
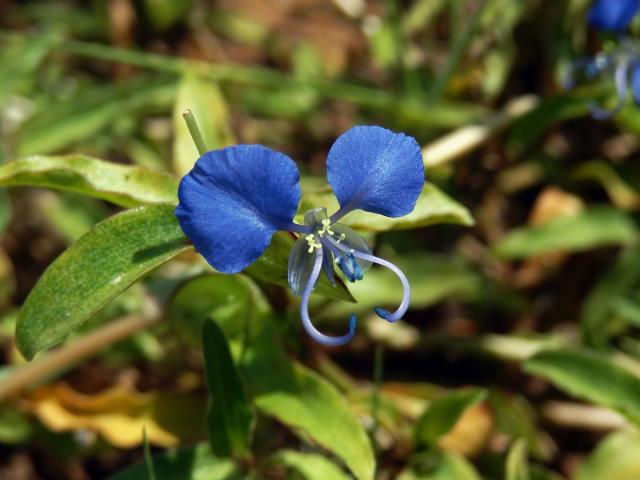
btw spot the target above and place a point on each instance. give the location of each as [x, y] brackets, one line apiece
[352, 323]
[382, 313]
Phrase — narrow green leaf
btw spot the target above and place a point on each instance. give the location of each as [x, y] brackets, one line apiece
[93, 110]
[616, 458]
[590, 376]
[595, 227]
[272, 268]
[310, 466]
[229, 417]
[194, 463]
[306, 403]
[148, 460]
[113, 255]
[443, 413]
[433, 207]
[205, 100]
[448, 466]
[124, 185]
[620, 280]
[517, 467]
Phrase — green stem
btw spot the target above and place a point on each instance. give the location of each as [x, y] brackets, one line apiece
[378, 368]
[194, 131]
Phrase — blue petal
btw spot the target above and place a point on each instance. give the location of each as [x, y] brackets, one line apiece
[613, 15]
[234, 200]
[635, 82]
[376, 170]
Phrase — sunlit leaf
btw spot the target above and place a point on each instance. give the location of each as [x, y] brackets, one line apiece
[448, 466]
[590, 376]
[194, 463]
[310, 466]
[433, 207]
[517, 467]
[108, 259]
[595, 227]
[124, 185]
[308, 404]
[617, 457]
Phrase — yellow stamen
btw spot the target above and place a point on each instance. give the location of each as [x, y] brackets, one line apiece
[313, 244]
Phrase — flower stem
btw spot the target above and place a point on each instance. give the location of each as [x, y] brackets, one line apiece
[194, 131]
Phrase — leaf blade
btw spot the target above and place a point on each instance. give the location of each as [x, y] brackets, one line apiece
[124, 185]
[596, 226]
[229, 418]
[591, 376]
[104, 262]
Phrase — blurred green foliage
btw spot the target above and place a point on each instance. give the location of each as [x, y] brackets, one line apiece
[520, 356]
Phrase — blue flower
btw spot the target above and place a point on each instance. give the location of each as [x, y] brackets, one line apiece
[613, 15]
[235, 199]
[621, 64]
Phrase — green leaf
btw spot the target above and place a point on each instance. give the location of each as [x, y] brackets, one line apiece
[124, 185]
[308, 404]
[229, 417]
[616, 458]
[15, 426]
[148, 460]
[595, 227]
[93, 110]
[449, 466]
[310, 466]
[433, 278]
[195, 463]
[590, 376]
[517, 467]
[618, 188]
[443, 413]
[516, 418]
[233, 301]
[272, 268]
[100, 265]
[205, 100]
[620, 280]
[433, 207]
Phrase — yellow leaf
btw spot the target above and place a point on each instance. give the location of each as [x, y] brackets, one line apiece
[120, 414]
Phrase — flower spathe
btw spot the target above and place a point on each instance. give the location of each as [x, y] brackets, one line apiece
[234, 200]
